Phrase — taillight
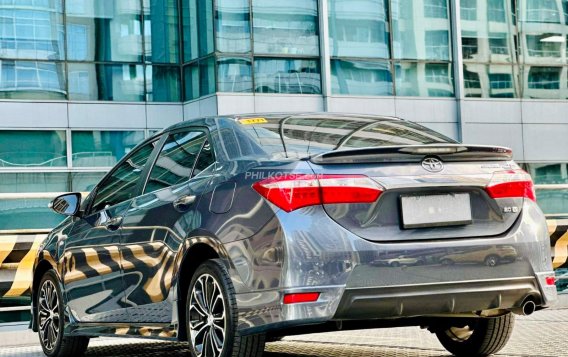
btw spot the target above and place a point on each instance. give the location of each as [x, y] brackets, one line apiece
[511, 184]
[293, 191]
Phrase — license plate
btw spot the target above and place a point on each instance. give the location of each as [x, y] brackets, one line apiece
[436, 210]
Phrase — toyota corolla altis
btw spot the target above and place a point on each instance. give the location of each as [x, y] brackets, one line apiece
[231, 231]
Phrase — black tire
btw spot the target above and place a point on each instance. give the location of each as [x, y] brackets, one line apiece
[51, 321]
[484, 337]
[205, 344]
[447, 261]
[395, 264]
[491, 260]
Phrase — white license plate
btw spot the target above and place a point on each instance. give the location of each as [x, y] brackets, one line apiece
[436, 210]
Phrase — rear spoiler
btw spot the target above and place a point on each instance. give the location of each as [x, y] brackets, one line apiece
[415, 153]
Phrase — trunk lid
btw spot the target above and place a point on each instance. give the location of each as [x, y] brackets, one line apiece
[424, 178]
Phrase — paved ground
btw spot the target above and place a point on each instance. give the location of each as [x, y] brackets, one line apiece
[540, 335]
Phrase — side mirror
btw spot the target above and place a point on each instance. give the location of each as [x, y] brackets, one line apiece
[67, 204]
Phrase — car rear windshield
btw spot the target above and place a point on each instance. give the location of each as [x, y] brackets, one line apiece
[305, 136]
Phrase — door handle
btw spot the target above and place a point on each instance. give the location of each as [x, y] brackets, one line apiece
[113, 224]
[183, 203]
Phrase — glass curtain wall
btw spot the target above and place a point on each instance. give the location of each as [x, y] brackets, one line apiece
[126, 50]
[397, 47]
[515, 48]
[257, 46]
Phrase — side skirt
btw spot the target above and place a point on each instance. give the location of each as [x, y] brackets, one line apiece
[150, 331]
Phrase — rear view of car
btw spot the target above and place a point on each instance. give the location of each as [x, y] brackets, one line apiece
[229, 231]
[374, 208]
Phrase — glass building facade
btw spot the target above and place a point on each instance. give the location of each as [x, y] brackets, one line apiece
[149, 57]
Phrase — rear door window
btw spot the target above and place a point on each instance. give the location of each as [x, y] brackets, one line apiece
[178, 160]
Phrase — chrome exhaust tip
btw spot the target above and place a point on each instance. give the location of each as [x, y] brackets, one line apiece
[526, 309]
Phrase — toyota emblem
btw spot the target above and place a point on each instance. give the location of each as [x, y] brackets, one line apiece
[432, 164]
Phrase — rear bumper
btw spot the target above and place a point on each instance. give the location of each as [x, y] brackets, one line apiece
[436, 299]
[321, 256]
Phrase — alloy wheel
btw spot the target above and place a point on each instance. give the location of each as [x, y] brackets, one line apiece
[48, 315]
[207, 320]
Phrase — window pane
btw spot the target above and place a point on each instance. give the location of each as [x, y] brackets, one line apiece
[361, 78]
[33, 182]
[163, 84]
[359, 28]
[286, 27]
[420, 30]
[30, 213]
[547, 11]
[234, 75]
[121, 185]
[191, 81]
[31, 80]
[197, 28]
[233, 26]
[205, 159]
[424, 79]
[102, 148]
[207, 76]
[176, 160]
[118, 82]
[287, 76]
[551, 201]
[32, 32]
[189, 20]
[490, 81]
[468, 10]
[104, 30]
[22, 148]
[161, 21]
[545, 82]
[543, 32]
[85, 181]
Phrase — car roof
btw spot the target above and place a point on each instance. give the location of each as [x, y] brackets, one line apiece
[208, 121]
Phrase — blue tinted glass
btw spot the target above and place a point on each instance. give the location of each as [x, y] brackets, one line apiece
[102, 148]
[32, 32]
[490, 81]
[33, 148]
[207, 76]
[233, 26]
[119, 82]
[197, 28]
[359, 29]
[31, 80]
[85, 181]
[163, 84]
[424, 79]
[291, 27]
[420, 29]
[190, 38]
[161, 27]
[29, 212]
[287, 76]
[191, 81]
[104, 30]
[361, 78]
[235, 75]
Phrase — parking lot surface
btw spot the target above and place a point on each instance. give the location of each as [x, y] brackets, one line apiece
[539, 335]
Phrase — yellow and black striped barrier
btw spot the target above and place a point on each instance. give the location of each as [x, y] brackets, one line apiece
[17, 253]
[558, 230]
